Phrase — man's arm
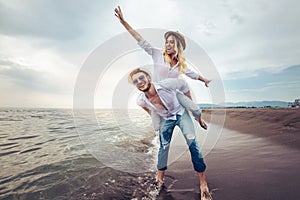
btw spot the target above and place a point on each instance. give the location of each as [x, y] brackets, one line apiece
[140, 102]
[147, 110]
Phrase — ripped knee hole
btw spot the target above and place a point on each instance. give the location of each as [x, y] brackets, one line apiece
[190, 136]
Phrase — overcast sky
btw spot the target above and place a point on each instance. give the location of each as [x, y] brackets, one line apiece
[254, 45]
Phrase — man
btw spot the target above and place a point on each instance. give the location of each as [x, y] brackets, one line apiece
[161, 98]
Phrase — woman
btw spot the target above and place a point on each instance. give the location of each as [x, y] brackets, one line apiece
[169, 64]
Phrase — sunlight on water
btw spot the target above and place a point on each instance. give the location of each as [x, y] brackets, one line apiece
[42, 156]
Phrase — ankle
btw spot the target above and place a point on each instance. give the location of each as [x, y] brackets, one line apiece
[203, 186]
[159, 180]
[160, 176]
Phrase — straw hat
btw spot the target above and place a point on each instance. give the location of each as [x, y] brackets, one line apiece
[178, 35]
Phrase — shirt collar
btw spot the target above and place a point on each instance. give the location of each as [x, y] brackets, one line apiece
[174, 67]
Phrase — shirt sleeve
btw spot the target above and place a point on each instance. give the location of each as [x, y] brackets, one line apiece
[190, 73]
[152, 51]
[140, 101]
[146, 46]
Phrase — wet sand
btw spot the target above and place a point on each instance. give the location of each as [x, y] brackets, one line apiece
[256, 157]
[280, 125]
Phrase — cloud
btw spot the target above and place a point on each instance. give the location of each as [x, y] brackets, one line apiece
[237, 19]
[44, 43]
[25, 78]
[67, 26]
[246, 35]
[60, 20]
[265, 85]
[31, 76]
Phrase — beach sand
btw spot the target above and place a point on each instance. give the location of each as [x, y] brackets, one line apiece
[256, 157]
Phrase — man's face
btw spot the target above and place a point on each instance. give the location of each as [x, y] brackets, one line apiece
[141, 81]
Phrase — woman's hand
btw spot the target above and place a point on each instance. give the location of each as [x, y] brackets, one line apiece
[206, 82]
[119, 14]
[134, 33]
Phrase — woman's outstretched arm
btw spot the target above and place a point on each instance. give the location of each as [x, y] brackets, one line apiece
[204, 80]
[134, 33]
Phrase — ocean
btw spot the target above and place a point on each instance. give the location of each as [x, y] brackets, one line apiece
[59, 154]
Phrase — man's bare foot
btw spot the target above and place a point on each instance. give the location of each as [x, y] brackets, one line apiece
[160, 185]
[205, 194]
[160, 177]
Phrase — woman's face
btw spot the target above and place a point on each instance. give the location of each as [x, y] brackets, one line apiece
[170, 45]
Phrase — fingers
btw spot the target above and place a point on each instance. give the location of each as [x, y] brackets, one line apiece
[118, 10]
[207, 82]
[117, 13]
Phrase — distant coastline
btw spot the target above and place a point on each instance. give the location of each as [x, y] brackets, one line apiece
[251, 104]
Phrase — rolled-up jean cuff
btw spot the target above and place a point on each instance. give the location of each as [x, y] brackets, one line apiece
[197, 114]
[162, 169]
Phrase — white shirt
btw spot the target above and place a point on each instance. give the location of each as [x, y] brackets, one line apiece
[162, 69]
[166, 90]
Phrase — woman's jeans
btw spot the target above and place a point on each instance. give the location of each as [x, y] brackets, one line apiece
[184, 122]
[185, 101]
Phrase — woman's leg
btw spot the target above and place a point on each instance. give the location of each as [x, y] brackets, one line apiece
[188, 104]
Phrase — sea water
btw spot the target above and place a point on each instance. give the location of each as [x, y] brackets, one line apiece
[53, 154]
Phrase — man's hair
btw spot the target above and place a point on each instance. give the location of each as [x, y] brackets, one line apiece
[135, 71]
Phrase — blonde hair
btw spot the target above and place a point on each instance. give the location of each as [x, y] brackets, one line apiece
[178, 55]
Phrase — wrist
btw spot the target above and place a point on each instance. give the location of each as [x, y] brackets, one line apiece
[122, 21]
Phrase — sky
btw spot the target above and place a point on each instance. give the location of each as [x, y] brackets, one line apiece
[254, 45]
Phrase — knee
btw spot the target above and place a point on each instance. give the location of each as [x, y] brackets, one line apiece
[190, 136]
[164, 146]
[190, 139]
[194, 107]
[196, 113]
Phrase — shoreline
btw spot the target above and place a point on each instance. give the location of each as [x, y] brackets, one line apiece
[244, 163]
[281, 125]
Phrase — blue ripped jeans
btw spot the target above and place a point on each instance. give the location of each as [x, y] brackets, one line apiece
[186, 102]
[184, 122]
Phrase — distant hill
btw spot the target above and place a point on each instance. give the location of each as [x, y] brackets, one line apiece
[257, 104]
